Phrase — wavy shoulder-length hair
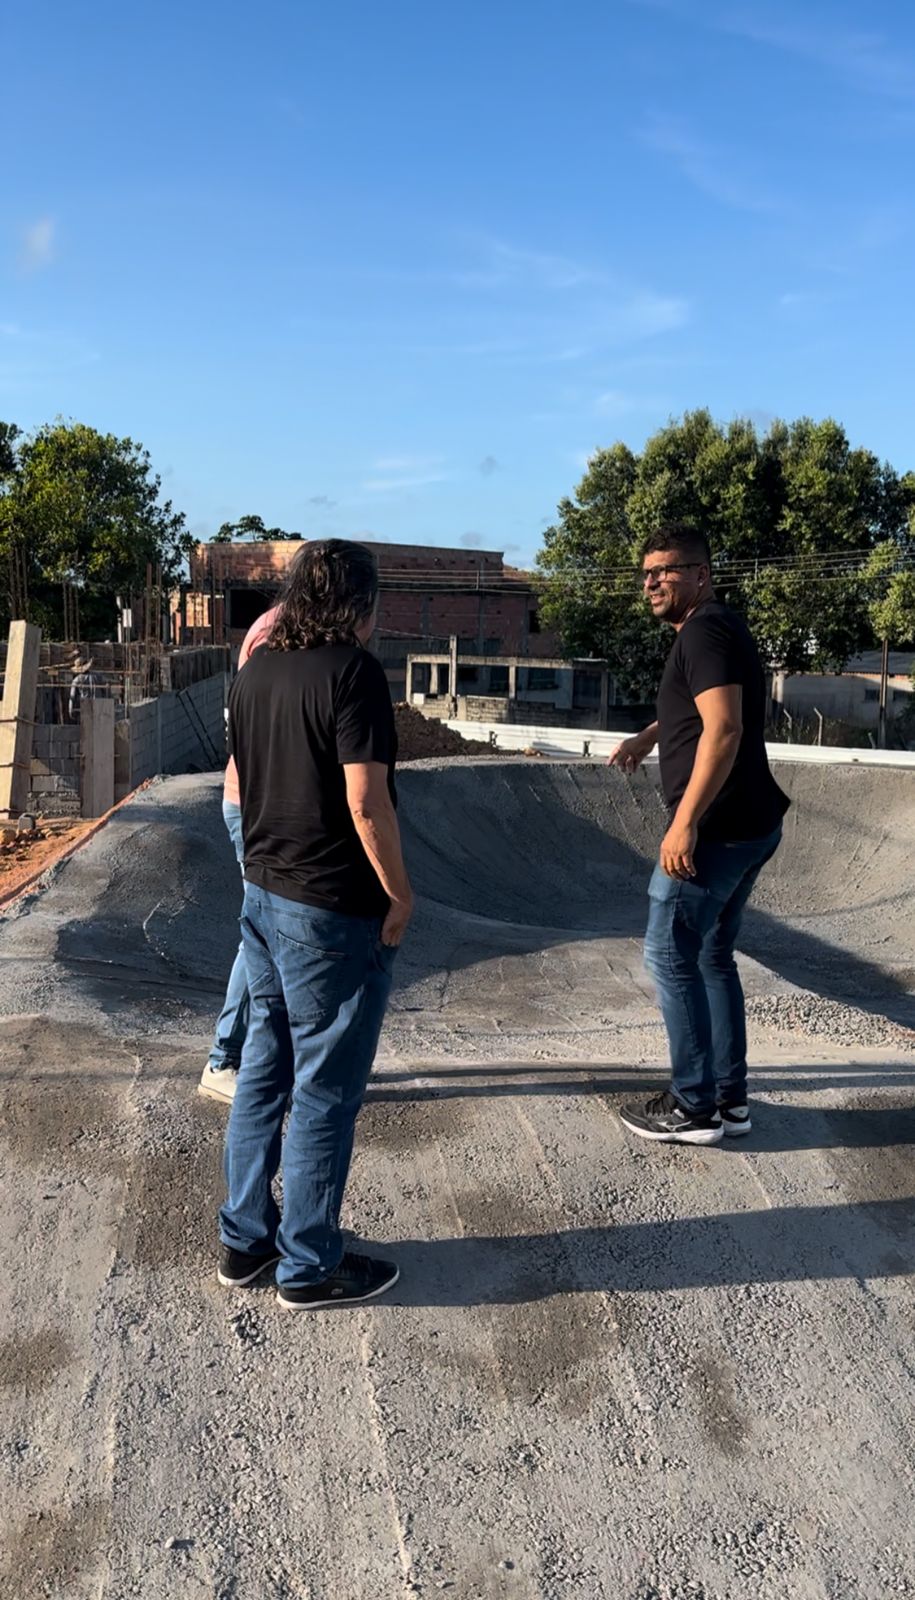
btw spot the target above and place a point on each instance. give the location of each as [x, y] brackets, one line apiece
[331, 590]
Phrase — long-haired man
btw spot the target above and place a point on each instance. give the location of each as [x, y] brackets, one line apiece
[327, 901]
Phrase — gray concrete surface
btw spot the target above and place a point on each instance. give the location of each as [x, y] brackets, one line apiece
[609, 1371]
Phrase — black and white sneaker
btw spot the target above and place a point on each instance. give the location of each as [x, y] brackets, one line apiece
[238, 1267]
[357, 1278]
[735, 1120]
[664, 1119]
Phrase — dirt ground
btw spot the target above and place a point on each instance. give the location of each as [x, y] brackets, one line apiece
[25, 854]
[421, 738]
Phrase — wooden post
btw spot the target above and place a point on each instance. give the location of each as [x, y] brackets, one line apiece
[96, 721]
[17, 717]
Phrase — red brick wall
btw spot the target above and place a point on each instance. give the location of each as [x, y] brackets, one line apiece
[475, 615]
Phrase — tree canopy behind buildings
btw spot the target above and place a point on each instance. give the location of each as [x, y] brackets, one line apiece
[83, 509]
[810, 537]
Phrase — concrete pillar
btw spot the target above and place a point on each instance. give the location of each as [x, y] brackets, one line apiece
[512, 681]
[453, 672]
[17, 717]
[96, 723]
[434, 678]
[604, 718]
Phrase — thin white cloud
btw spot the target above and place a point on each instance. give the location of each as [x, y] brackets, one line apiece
[405, 463]
[641, 315]
[386, 485]
[37, 245]
[613, 403]
[869, 60]
[705, 168]
[505, 265]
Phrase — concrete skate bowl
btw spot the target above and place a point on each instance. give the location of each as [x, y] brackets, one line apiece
[567, 848]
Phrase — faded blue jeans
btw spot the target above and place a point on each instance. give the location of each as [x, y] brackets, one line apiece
[319, 984]
[232, 1025]
[689, 951]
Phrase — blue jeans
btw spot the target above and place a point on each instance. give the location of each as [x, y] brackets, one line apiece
[689, 951]
[232, 1025]
[319, 985]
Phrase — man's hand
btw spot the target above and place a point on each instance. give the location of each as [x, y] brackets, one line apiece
[395, 923]
[677, 850]
[629, 755]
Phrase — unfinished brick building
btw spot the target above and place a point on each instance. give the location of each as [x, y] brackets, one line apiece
[428, 594]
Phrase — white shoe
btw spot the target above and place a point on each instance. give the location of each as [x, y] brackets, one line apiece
[218, 1083]
[735, 1121]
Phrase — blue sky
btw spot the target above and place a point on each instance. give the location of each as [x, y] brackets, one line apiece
[396, 270]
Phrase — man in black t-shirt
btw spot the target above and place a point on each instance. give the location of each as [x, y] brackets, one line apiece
[726, 815]
[327, 900]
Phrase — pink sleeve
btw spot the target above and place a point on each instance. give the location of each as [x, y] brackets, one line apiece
[256, 634]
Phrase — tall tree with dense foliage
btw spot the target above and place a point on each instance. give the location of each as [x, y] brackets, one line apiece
[86, 508]
[806, 532]
[249, 527]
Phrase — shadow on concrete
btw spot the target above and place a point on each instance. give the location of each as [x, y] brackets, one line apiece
[486, 1084]
[795, 1244]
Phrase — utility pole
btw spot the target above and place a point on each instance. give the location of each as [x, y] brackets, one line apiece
[884, 684]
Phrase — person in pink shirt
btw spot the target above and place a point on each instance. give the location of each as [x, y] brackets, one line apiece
[220, 1074]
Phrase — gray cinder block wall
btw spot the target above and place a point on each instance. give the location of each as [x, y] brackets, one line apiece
[182, 732]
[54, 789]
[177, 732]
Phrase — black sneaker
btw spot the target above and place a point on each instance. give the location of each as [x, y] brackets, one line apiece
[238, 1267]
[735, 1120]
[357, 1278]
[663, 1118]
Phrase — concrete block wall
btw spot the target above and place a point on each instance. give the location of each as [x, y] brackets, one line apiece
[182, 732]
[54, 788]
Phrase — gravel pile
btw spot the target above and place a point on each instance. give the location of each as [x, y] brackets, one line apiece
[817, 1018]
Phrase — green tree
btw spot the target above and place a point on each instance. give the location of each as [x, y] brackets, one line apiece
[87, 508]
[791, 517]
[588, 588]
[891, 585]
[9, 433]
[249, 527]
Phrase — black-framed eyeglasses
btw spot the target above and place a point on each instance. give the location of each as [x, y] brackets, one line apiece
[658, 574]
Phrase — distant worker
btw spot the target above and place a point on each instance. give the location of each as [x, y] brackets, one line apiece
[327, 901]
[86, 684]
[220, 1074]
[726, 814]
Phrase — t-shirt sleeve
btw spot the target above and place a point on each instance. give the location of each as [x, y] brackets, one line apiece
[256, 635]
[711, 655]
[364, 714]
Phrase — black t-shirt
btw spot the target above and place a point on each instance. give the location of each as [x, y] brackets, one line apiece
[296, 718]
[714, 649]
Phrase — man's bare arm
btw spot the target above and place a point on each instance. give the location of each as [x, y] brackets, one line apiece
[632, 752]
[375, 821]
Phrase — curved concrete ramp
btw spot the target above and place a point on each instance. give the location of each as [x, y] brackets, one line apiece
[557, 856]
[609, 1371]
[570, 845]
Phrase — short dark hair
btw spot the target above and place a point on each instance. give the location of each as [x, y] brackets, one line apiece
[331, 589]
[680, 536]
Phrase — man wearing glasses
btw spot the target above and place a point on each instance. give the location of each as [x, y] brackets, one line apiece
[726, 815]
